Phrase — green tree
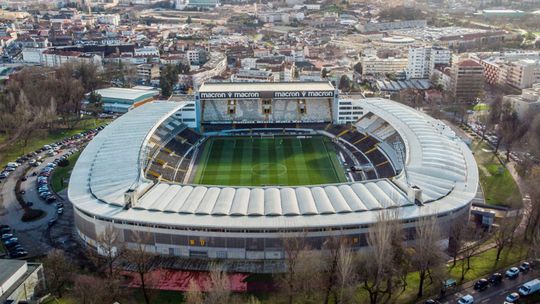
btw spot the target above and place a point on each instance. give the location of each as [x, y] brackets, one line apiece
[344, 83]
[168, 79]
[188, 20]
[95, 105]
[324, 73]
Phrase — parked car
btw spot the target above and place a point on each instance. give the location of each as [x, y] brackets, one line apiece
[6, 236]
[481, 284]
[512, 273]
[60, 211]
[431, 301]
[524, 267]
[512, 298]
[495, 278]
[467, 299]
[52, 221]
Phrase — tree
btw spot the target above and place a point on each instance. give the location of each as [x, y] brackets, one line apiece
[324, 73]
[90, 290]
[295, 250]
[456, 238]
[140, 257]
[344, 83]
[194, 294]
[188, 20]
[346, 277]
[375, 267]
[168, 79]
[510, 129]
[58, 271]
[427, 255]
[219, 290]
[504, 234]
[474, 238]
[95, 104]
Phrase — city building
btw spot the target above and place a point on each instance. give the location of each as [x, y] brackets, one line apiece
[516, 69]
[252, 75]
[467, 82]
[389, 26]
[422, 61]
[528, 103]
[121, 100]
[54, 58]
[380, 66]
[21, 281]
[148, 72]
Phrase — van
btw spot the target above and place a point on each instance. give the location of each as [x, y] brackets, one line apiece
[529, 287]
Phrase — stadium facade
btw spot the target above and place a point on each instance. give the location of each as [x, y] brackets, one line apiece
[137, 175]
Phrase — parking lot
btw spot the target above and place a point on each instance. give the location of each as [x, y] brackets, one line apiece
[34, 171]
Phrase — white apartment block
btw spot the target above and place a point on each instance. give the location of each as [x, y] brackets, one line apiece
[422, 61]
[54, 58]
[528, 103]
[147, 51]
[112, 19]
[381, 66]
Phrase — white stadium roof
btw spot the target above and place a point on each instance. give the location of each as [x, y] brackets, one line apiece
[437, 162]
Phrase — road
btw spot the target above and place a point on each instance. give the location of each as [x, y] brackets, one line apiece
[494, 294]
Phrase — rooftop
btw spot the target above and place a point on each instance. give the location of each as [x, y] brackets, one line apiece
[125, 93]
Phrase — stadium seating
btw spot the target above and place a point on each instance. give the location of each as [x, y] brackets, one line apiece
[285, 110]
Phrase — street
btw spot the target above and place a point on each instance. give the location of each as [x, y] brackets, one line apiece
[493, 294]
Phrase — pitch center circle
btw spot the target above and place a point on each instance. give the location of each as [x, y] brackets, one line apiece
[267, 169]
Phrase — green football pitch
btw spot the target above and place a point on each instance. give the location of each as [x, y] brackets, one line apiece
[256, 161]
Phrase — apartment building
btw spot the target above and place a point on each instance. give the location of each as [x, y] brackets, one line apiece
[528, 103]
[422, 61]
[519, 70]
[467, 80]
[381, 66]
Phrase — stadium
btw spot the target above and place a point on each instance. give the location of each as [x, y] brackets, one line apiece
[233, 171]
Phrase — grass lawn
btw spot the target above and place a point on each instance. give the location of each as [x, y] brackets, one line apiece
[481, 265]
[42, 137]
[245, 161]
[62, 173]
[484, 263]
[499, 186]
[481, 107]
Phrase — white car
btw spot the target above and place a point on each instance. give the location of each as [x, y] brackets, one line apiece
[512, 273]
[467, 299]
[512, 298]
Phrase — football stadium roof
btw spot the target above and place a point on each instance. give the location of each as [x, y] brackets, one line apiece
[437, 163]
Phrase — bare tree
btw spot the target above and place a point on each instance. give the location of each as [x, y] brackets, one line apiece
[194, 294]
[504, 234]
[346, 278]
[58, 271]
[329, 267]
[140, 257]
[290, 282]
[427, 254]
[474, 239]
[109, 250]
[90, 290]
[375, 266]
[219, 290]
[456, 238]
